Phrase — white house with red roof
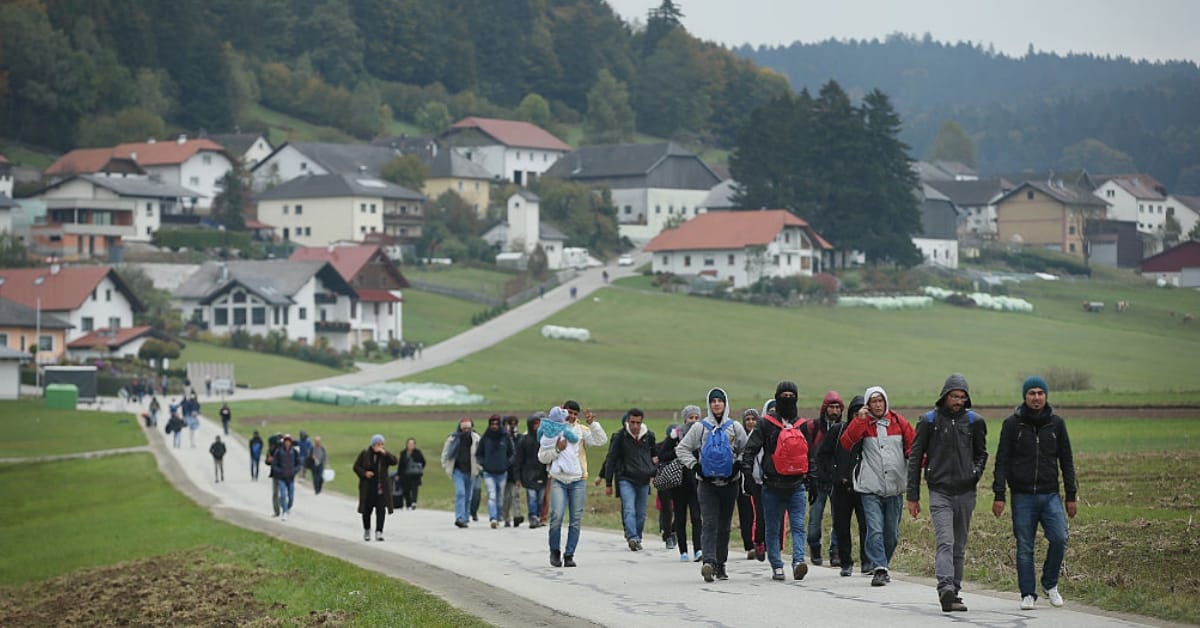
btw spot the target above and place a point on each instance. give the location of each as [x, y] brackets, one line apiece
[377, 281]
[195, 164]
[740, 247]
[90, 298]
[124, 342]
[509, 150]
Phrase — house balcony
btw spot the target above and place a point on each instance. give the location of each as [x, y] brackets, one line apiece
[324, 298]
[336, 327]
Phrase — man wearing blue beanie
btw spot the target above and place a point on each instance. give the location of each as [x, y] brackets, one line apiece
[1034, 446]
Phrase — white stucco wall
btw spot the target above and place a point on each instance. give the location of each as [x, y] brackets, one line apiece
[286, 164]
[937, 252]
[323, 220]
[108, 303]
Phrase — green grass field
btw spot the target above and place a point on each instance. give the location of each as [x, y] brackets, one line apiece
[480, 280]
[32, 429]
[258, 370]
[662, 350]
[431, 318]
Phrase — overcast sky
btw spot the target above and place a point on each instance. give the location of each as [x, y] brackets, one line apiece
[1150, 29]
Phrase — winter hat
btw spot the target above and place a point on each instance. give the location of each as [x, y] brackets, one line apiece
[377, 440]
[1034, 381]
[689, 410]
[856, 404]
[786, 386]
[495, 418]
[955, 382]
[716, 393]
[556, 415]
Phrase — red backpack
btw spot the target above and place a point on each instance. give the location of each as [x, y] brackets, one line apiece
[791, 448]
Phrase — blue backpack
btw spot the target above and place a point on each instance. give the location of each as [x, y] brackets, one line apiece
[971, 416]
[716, 454]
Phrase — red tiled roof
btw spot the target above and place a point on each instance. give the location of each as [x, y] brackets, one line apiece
[346, 260]
[106, 338]
[731, 230]
[1172, 260]
[258, 224]
[514, 133]
[377, 296]
[165, 152]
[61, 291]
[81, 161]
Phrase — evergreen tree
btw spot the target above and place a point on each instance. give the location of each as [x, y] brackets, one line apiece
[891, 187]
[610, 119]
[230, 205]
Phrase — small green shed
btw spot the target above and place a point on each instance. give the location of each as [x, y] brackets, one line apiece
[62, 396]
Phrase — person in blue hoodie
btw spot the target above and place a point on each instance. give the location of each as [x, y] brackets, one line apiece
[256, 448]
[718, 483]
[494, 455]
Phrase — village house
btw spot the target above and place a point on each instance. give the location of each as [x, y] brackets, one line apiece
[1137, 198]
[976, 199]
[1177, 266]
[6, 179]
[296, 159]
[304, 300]
[523, 232]
[87, 298]
[377, 282]
[508, 150]
[320, 209]
[114, 343]
[740, 247]
[247, 148]
[27, 330]
[938, 240]
[450, 171]
[1049, 213]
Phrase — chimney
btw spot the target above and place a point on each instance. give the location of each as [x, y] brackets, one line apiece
[182, 138]
[223, 273]
[54, 268]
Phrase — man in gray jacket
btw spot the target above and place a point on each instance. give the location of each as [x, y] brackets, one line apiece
[951, 447]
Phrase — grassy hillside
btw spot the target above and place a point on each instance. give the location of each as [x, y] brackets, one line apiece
[258, 370]
[662, 350]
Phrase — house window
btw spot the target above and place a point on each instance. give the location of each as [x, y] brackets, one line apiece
[687, 260]
[354, 309]
[1110, 193]
[789, 259]
[108, 295]
[731, 260]
[323, 315]
[285, 210]
[149, 231]
[390, 308]
[787, 237]
[1072, 247]
[239, 316]
[670, 209]
[362, 208]
[149, 209]
[372, 208]
[239, 297]
[1071, 230]
[45, 343]
[1029, 194]
[87, 323]
[194, 180]
[1141, 208]
[708, 261]
[666, 260]
[302, 314]
[275, 315]
[308, 231]
[93, 294]
[207, 159]
[114, 322]
[304, 165]
[220, 317]
[362, 229]
[658, 209]
[299, 209]
[3, 340]
[285, 233]
[776, 260]
[628, 209]
[477, 187]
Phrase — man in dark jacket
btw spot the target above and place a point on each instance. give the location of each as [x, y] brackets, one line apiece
[818, 489]
[494, 454]
[217, 449]
[1034, 445]
[951, 447]
[632, 461]
[835, 466]
[783, 490]
[512, 494]
[374, 485]
[285, 464]
[531, 472]
[256, 448]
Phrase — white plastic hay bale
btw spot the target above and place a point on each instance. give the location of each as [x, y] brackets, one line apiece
[887, 303]
[578, 334]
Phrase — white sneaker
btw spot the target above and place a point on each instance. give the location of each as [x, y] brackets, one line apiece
[1028, 602]
[1055, 597]
[283, 517]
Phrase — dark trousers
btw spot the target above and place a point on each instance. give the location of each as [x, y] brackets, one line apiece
[254, 468]
[716, 516]
[846, 501]
[750, 519]
[666, 514]
[378, 504]
[318, 478]
[687, 506]
[410, 486]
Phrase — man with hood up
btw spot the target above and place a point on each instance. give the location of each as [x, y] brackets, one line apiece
[880, 476]
[819, 489]
[458, 459]
[951, 447]
[632, 461]
[717, 489]
[834, 467]
[531, 472]
[783, 489]
[494, 454]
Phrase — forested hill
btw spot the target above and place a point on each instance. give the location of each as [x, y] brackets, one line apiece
[1042, 110]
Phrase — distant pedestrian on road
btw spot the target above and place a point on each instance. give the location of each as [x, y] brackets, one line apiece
[285, 464]
[711, 449]
[632, 461]
[951, 447]
[226, 416]
[411, 472]
[574, 291]
[1034, 446]
[531, 472]
[374, 485]
[217, 449]
[880, 477]
[317, 458]
[305, 445]
[256, 448]
[494, 454]
[208, 387]
[511, 510]
[458, 459]
[563, 446]
[155, 407]
[273, 443]
[175, 427]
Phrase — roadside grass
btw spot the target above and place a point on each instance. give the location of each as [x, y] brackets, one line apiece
[480, 280]
[284, 128]
[258, 370]
[22, 156]
[663, 350]
[32, 429]
[107, 511]
[431, 318]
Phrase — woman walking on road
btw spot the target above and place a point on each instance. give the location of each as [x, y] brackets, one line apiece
[374, 485]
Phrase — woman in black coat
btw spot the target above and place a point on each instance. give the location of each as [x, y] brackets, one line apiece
[410, 472]
[374, 485]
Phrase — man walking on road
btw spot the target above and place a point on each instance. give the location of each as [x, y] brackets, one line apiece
[458, 459]
[217, 449]
[563, 444]
[531, 472]
[494, 455]
[631, 462]
[317, 457]
[286, 463]
[1034, 446]
[880, 477]
[820, 488]
[951, 447]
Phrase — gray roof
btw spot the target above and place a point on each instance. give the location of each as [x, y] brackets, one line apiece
[1192, 202]
[449, 163]
[1062, 192]
[547, 231]
[13, 354]
[972, 193]
[614, 160]
[941, 170]
[347, 158]
[276, 281]
[528, 195]
[236, 143]
[13, 314]
[142, 187]
[423, 146]
[338, 185]
[6, 202]
[720, 196]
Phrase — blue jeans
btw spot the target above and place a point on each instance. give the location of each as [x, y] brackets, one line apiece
[816, 513]
[883, 527]
[495, 487]
[176, 437]
[534, 497]
[1027, 511]
[287, 492]
[462, 495]
[633, 508]
[563, 497]
[775, 503]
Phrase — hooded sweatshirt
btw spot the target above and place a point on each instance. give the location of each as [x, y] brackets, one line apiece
[951, 449]
[570, 464]
[835, 464]
[886, 443]
[688, 450]
[531, 473]
[451, 450]
[495, 450]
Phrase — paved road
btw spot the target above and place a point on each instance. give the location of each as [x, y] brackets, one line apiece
[504, 577]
